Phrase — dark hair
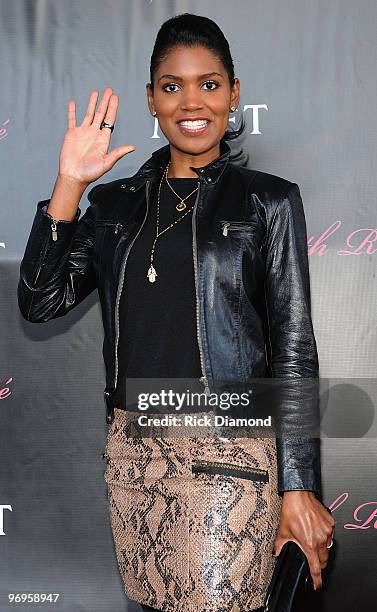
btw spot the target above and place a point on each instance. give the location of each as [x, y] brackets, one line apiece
[194, 30]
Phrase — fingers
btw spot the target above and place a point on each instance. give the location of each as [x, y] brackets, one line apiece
[112, 109]
[330, 535]
[90, 110]
[315, 568]
[116, 154]
[106, 111]
[102, 108]
[330, 530]
[323, 555]
[71, 114]
[318, 557]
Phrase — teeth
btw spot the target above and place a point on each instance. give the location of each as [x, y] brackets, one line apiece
[194, 125]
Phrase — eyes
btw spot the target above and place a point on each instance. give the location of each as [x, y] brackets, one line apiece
[175, 85]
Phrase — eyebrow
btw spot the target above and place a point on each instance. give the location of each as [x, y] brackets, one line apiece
[200, 77]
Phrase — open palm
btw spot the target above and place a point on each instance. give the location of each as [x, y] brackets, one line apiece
[84, 155]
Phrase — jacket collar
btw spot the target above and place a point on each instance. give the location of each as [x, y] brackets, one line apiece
[209, 173]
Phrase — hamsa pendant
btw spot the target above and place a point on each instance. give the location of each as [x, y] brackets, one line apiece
[152, 274]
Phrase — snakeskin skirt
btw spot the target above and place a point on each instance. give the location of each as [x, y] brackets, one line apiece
[193, 519]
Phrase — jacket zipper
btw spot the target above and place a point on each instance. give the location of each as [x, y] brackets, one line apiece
[229, 469]
[233, 225]
[54, 226]
[54, 229]
[54, 234]
[203, 379]
[269, 357]
[117, 226]
[120, 285]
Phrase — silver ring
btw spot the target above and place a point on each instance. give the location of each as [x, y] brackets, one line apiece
[107, 125]
[331, 543]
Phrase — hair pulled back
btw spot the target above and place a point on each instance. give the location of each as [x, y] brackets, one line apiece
[192, 30]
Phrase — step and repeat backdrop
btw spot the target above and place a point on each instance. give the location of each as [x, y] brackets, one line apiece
[309, 97]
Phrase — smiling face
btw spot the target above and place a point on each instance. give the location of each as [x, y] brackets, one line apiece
[192, 98]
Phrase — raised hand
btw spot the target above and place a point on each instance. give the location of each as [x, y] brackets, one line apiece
[84, 155]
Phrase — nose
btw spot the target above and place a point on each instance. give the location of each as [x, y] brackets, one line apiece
[191, 99]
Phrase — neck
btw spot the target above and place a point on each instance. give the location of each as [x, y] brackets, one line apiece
[180, 161]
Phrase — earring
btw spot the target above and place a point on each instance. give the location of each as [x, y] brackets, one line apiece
[232, 108]
[154, 113]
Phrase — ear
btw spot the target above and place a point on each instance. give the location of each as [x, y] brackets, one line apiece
[235, 93]
[149, 97]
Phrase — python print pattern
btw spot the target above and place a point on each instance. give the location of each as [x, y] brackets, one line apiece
[194, 519]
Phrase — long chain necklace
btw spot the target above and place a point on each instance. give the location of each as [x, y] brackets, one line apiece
[152, 274]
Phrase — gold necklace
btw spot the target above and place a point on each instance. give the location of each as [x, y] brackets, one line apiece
[181, 206]
[152, 274]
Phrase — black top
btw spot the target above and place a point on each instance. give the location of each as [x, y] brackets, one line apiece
[158, 334]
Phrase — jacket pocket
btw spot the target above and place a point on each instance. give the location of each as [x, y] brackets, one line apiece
[229, 469]
[112, 226]
[236, 226]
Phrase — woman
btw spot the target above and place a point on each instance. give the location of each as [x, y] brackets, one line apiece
[186, 254]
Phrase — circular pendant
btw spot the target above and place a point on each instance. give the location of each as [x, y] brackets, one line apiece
[181, 206]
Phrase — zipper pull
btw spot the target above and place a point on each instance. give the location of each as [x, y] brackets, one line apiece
[118, 225]
[54, 230]
[109, 407]
[225, 228]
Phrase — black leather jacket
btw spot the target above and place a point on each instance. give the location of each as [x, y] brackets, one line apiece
[251, 273]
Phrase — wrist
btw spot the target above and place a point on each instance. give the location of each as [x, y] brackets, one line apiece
[71, 182]
[298, 492]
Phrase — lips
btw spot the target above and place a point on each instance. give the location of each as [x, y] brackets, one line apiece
[193, 119]
[193, 126]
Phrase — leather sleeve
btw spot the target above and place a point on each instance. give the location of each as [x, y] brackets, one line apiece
[292, 345]
[56, 275]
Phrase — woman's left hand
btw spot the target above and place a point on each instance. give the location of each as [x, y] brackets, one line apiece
[306, 521]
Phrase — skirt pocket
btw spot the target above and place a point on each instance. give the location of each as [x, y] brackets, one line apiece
[229, 469]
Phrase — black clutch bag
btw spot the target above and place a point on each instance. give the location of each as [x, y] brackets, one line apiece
[291, 575]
